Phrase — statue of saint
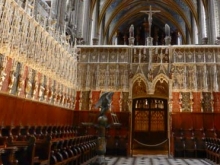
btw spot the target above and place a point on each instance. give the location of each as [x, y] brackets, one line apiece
[131, 31]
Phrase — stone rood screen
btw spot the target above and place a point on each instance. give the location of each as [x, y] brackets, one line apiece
[191, 67]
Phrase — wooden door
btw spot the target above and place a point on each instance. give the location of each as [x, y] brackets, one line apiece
[149, 123]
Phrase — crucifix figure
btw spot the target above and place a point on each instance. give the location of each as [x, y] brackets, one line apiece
[150, 13]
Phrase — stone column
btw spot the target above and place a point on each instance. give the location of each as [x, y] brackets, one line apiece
[205, 40]
[106, 37]
[53, 10]
[217, 41]
[138, 37]
[58, 9]
[211, 26]
[202, 21]
[195, 30]
[217, 19]
[95, 17]
[101, 32]
[86, 21]
[188, 40]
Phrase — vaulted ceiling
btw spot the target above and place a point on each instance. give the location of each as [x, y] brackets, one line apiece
[120, 14]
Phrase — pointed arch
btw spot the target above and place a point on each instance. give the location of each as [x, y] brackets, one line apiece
[139, 86]
[161, 80]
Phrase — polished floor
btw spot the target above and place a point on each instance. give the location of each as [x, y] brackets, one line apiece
[153, 160]
[153, 157]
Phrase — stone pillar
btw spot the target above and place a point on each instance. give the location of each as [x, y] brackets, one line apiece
[125, 37]
[131, 40]
[218, 19]
[58, 9]
[156, 35]
[205, 40]
[101, 32]
[95, 41]
[188, 40]
[195, 30]
[95, 18]
[149, 41]
[167, 40]
[54, 6]
[79, 16]
[202, 21]
[86, 21]
[138, 37]
[106, 37]
[211, 26]
[217, 41]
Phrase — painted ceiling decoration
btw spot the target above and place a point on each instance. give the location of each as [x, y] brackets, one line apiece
[118, 15]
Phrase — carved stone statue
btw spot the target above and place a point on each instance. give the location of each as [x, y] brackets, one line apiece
[168, 37]
[104, 102]
[167, 30]
[131, 31]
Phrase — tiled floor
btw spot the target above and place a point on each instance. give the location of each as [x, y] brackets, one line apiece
[153, 160]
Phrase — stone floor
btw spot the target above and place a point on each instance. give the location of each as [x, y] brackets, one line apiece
[154, 160]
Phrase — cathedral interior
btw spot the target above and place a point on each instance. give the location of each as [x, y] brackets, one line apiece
[161, 59]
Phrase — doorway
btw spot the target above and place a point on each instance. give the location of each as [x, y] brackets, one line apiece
[149, 126]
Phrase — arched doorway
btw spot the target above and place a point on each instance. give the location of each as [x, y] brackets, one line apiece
[150, 116]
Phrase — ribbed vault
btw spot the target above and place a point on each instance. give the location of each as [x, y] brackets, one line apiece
[118, 15]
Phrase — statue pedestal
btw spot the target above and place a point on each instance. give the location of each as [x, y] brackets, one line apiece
[205, 40]
[217, 41]
[149, 41]
[131, 40]
[101, 143]
[95, 41]
[167, 40]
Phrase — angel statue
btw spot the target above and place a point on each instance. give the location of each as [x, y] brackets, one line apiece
[104, 102]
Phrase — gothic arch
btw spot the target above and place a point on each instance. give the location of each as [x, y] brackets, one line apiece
[139, 82]
[161, 78]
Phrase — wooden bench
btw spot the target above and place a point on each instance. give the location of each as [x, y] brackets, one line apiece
[45, 145]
